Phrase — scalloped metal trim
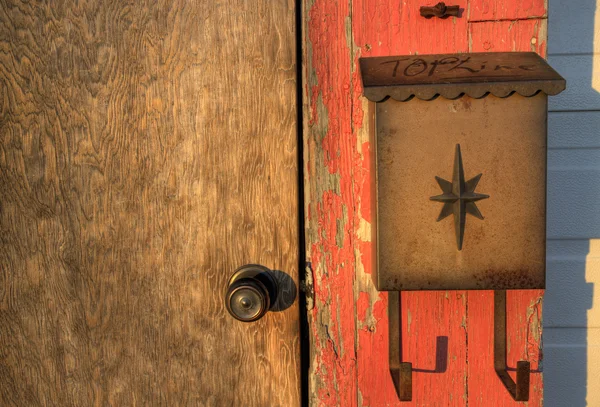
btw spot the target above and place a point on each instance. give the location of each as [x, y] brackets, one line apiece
[404, 94]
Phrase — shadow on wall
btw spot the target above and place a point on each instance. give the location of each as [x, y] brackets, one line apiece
[571, 316]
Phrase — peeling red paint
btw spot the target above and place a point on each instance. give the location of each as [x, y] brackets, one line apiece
[495, 10]
[334, 360]
[520, 35]
[349, 339]
[523, 339]
[391, 28]
[362, 306]
[396, 28]
[364, 162]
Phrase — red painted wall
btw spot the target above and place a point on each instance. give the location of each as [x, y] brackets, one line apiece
[347, 316]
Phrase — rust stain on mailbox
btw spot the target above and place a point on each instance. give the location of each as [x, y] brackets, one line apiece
[494, 106]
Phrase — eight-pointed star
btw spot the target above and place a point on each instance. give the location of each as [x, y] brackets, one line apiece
[459, 197]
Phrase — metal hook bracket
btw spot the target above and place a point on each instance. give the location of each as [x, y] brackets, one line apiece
[401, 371]
[519, 390]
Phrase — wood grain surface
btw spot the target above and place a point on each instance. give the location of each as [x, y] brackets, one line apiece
[446, 334]
[147, 150]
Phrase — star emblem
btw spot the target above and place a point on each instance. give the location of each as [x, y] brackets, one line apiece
[459, 197]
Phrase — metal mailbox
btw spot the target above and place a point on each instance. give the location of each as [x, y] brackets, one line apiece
[460, 155]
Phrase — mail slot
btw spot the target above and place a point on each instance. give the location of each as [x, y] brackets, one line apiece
[460, 154]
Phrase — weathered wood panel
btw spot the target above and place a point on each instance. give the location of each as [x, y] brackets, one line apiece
[384, 27]
[147, 149]
[524, 330]
[519, 35]
[329, 161]
[350, 333]
[524, 307]
[510, 10]
[433, 335]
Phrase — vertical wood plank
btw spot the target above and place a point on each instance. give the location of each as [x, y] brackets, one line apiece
[518, 35]
[387, 27]
[524, 330]
[433, 330]
[509, 10]
[329, 154]
[147, 150]
[524, 307]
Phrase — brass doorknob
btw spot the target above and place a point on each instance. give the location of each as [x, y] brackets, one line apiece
[251, 292]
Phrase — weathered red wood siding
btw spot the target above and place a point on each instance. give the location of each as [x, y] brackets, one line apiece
[447, 335]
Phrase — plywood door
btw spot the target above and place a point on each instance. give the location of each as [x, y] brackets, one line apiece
[147, 150]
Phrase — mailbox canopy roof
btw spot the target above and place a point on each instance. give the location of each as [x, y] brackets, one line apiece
[455, 75]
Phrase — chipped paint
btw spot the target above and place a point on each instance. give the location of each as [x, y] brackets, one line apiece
[328, 143]
[348, 316]
[308, 288]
